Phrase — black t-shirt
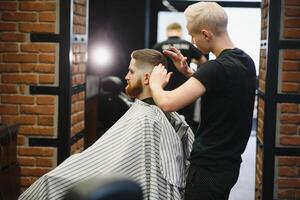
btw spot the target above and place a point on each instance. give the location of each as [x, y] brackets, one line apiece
[226, 109]
[187, 49]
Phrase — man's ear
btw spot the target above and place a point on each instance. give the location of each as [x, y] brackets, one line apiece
[206, 34]
[146, 78]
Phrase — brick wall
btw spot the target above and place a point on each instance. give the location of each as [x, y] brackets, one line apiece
[78, 74]
[261, 102]
[286, 168]
[24, 64]
[287, 173]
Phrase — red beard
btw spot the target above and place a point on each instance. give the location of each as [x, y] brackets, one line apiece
[134, 90]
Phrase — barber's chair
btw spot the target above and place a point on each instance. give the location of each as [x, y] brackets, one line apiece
[108, 188]
[113, 102]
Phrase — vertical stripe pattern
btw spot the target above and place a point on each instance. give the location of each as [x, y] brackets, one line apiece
[142, 146]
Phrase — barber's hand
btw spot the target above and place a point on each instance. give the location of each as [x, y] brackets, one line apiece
[179, 61]
[159, 77]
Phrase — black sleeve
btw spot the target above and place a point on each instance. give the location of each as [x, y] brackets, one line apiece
[211, 75]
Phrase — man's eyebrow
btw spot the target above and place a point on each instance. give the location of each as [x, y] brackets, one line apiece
[130, 69]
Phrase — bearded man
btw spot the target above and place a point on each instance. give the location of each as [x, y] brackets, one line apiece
[145, 145]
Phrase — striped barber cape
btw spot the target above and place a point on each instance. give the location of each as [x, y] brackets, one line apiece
[144, 145]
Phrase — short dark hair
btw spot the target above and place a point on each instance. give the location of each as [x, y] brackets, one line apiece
[149, 56]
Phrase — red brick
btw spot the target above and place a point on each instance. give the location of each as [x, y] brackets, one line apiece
[12, 67]
[46, 79]
[37, 6]
[8, 89]
[27, 181]
[19, 119]
[79, 20]
[33, 67]
[292, 12]
[292, 23]
[36, 131]
[49, 58]
[12, 37]
[17, 99]
[8, 47]
[79, 9]
[77, 128]
[26, 161]
[288, 161]
[45, 68]
[289, 182]
[47, 17]
[78, 106]
[292, 2]
[290, 65]
[36, 28]
[291, 34]
[290, 87]
[20, 78]
[34, 171]
[38, 47]
[291, 54]
[22, 58]
[82, 2]
[74, 98]
[24, 89]
[9, 109]
[290, 118]
[287, 171]
[290, 140]
[291, 76]
[45, 100]
[289, 108]
[8, 6]
[4, 26]
[44, 162]
[81, 96]
[46, 120]
[75, 118]
[21, 16]
[20, 140]
[286, 193]
[288, 129]
[36, 151]
[28, 67]
[44, 110]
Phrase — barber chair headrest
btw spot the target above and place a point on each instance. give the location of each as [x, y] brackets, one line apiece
[112, 84]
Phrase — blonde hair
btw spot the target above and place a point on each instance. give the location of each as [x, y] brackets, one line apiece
[207, 15]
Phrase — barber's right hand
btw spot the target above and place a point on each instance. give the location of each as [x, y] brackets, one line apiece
[179, 61]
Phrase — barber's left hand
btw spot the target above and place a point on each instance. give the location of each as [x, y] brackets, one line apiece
[159, 77]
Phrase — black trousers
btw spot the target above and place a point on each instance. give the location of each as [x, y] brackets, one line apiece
[210, 183]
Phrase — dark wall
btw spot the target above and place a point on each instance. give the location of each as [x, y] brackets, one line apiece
[125, 26]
